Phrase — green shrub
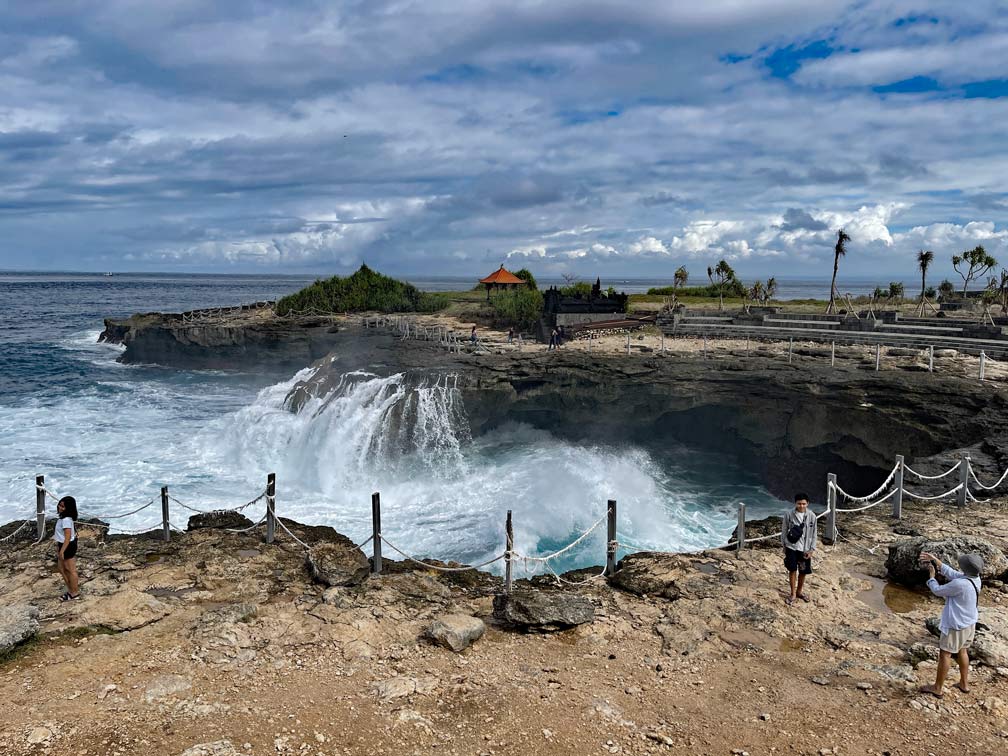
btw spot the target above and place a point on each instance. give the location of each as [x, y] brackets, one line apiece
[364, 290]
[520, 307]
[733, 288]
[579, 289]
[526, 275]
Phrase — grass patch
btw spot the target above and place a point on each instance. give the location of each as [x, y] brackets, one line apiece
[41, 641]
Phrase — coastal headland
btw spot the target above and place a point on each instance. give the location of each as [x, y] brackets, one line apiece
[218, 643]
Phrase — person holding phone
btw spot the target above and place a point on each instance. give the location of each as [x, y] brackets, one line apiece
[959, 615]
[66, 546]
[798, 537]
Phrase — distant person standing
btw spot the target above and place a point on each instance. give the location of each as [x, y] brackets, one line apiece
[560, 336]
[511, 335]
[66, 546]
[959, 615]
[798, 537]
[553, 339]
[472, 336]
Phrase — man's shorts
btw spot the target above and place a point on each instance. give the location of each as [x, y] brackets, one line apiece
[795, 561]
[955, 641]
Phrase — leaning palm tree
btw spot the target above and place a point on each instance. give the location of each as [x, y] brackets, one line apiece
[838, 251]
[924, 259]
[769, 289]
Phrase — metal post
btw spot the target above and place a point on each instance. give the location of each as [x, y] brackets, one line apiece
[40, 495]
[831, 529]
[270, 507]
[705, 346]
[931, 358]
[376, 538]
[747, 345]
[964, 465]
[628, 342]
[611, 539]
[897, 505]
[165, 525]
[740, 529]
[509, 540]
[663, 342]
[878, 356]
[983, 359]
[832, 354]
[790, 346]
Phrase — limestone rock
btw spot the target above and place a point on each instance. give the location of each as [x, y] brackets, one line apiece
[338, 563]
[224, 519]
[543, 611]
[768, 526]
[39, 735]
[401, 686]
[18, 623]
[126, 609]
[990, 646]
[456, 631]
[919, 652]
[670, 576]
[166, 686]
[903, 565]
[216, 748]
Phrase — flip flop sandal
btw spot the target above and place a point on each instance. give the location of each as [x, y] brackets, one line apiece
[803, 597]
[789, 601]
[65, 596]
[69, 597]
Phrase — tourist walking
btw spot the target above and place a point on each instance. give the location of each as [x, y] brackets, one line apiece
[798, 537]
[959, 615]
[66, 546]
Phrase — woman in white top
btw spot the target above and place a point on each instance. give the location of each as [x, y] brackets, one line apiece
[66, 546]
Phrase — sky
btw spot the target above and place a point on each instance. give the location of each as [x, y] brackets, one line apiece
[576, 137]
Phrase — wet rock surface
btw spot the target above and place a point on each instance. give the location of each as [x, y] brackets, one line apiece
[222, 519]
[542, 611]
[339, 563]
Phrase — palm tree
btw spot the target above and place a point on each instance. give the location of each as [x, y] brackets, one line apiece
[770, 289]
[725, 274]
[838, 251]
[680, 277]
[924, 259]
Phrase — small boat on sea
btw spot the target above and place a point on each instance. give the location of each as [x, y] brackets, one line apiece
[108, 275]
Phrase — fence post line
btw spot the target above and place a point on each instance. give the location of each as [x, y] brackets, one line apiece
[832, 354]
[376, 539]
[931, 358]
[964, 463]
[831, 528]
[270, 507]
[983, 358]
[897, 506]
[611, 538]
[166, 527]
[878, 356]
[740, 529]
[790, 346]
[509, 543]
[40, 495]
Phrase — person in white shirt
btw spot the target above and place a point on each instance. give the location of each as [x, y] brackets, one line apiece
[66, 546]
[959, 615]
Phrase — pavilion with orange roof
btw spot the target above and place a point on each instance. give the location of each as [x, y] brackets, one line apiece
[501, 279]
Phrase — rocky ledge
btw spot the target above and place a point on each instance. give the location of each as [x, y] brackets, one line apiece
[217, 643]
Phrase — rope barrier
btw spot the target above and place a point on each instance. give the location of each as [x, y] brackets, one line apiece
[873, 494]
[10, 536]
[246, 530]
[435, 567]
[932, 498]
[566, 548]
[986, 488]
[922, 476]
[281, 523]
[873, 504]
[364, 543]
[218, 511]
[127, 514]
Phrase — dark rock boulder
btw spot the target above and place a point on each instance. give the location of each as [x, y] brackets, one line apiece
[222, 519]
[903, 560]
[670, 576]
[18, 623]
[768, 526]
[337, 563]
[543, 611]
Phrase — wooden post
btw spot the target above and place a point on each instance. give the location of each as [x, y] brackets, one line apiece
[628, 342]
[663, 342]
[270, 507]
[878, 356]
[509, 541]
[376, 538]
[832, 354]
[740, 529]
[964, 464]
[931, 358]
[983, 358]
[165, 525]
[40, 495]
[611, 539]
[897, 505]
[790, 346]
[705, 346]
[831, 529]
[747, 345]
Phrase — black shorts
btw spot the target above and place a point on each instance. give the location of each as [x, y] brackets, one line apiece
[795, 561]
[71, 549]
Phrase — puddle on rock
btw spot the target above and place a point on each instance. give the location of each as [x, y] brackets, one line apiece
[169, 592]
[248, 553]
[708, 568]
[891, 598]
[791, 644]
[154, 557]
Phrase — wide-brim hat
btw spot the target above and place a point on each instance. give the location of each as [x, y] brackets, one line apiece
[971, 564]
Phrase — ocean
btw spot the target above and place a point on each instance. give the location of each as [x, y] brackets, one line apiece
[112, 435]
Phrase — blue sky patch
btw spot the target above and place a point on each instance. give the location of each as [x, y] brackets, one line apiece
[911, 85]
[784, 61]
[990, 89]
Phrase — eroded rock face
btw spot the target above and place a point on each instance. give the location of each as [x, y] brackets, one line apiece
[541, 611]
[126, 609]
[904, 566]
[223, 519]
[18, 623]
[768, 526]
[339, 563]
[456, 631]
